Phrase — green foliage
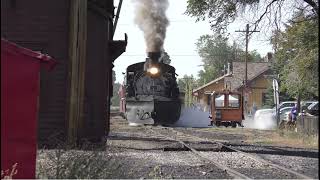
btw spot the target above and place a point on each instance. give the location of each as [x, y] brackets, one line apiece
[216, 53]
[187, 84]
[297, 58]
[115, 96]
[115, 100]
[254, 56]
[113, 76]
[219, 12]
[181, 84]
[269, 102]
[67, 163]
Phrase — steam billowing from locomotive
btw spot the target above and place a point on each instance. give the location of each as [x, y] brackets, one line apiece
[150, 16]
[152, 93]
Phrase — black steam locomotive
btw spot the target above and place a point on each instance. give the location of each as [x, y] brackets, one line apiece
[152, 93]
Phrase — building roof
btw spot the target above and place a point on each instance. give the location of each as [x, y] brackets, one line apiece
[10, 47]
[254, 69]
[211, 82]
[237, 76]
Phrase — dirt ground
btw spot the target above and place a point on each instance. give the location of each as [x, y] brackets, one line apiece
[242, 134]
[136, 153]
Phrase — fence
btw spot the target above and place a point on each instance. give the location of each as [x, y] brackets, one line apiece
[308, 125]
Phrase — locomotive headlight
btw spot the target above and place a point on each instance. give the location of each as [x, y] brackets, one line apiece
[154, 70]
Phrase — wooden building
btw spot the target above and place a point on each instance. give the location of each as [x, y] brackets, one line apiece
[75, 96]
[257, 84]
[203, 93]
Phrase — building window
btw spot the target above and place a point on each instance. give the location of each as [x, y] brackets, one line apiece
[234, 101]
[209, 99]
[264, 98]
[219, 100]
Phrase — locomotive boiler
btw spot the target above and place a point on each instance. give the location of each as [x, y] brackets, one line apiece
[152, 93]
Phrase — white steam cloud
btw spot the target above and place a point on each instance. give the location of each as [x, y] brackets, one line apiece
[150, 16]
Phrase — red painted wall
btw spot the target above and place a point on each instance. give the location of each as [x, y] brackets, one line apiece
[20, 69]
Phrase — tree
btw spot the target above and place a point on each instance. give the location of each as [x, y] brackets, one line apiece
[254, 56]
[221, 13]
[216, 53]
[269, 100]
[115, 100]
[186, 85]
[113, 76]
[297, 57]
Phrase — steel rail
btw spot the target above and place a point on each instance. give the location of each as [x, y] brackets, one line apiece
[230, 171]
[254, 157]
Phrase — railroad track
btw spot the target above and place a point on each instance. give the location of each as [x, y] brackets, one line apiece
[179, 136]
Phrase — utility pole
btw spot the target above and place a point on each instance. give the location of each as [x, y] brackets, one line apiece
[246, 64]
[246, 57]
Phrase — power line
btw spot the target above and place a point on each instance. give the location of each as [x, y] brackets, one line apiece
[216, 55]
[169, 55]
[246, 57]
[171, 22]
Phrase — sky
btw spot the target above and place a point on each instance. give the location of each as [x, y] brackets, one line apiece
[182, 34]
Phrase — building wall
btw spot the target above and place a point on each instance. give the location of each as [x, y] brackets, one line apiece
[203, 98]
[258, 87]
[43, 26]
[98, 88]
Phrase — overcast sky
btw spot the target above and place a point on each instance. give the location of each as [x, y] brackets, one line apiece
[182, 34]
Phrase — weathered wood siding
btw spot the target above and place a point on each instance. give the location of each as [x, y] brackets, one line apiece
[98, 69]
[203, 98]
[42, 25]
[258, 87]
[308, 125]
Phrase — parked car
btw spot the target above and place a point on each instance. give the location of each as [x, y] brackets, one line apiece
[287, 104]
[263, 113]
[313, 109]
[284, 113]
[284, 105]
[290, 104]
[306, 104]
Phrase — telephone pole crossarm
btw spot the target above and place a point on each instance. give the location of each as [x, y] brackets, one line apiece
[246, 57]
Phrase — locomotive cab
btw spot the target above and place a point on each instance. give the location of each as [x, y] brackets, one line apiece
[226, 108]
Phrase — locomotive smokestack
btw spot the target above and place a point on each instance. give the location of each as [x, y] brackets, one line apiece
[155, 56]
[150, 16]
[152, 61]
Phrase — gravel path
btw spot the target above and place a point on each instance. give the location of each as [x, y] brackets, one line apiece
[136, 152]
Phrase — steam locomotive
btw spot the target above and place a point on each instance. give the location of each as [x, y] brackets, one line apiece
[151, 93]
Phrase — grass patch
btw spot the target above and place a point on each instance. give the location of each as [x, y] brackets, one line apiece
[66, 162]
[290, 138]
[272, 137]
